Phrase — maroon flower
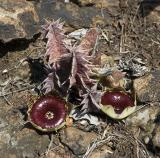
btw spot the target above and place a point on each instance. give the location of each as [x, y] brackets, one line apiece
[117, 104]
[48, 113]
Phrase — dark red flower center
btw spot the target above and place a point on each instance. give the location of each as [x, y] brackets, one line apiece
[118, 100]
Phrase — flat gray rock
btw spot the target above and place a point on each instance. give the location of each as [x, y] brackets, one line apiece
[147, 87]
[23, 19]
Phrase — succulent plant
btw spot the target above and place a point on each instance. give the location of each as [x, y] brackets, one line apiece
[48, 113]
[76, 57]
[72, 65]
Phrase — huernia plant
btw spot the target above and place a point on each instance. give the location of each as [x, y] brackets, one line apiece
[73, 65]
[76, 57]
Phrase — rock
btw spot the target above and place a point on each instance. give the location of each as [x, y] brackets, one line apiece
[151, 9]
[144, 119]
[154, 15]
[146, 139]
[23, 74]
[147, 87]
[3, 123]
[77, 140]
[25, 143]
[143, 125]
[156, 137]
[101, 152]
[4, 137]
[57, 154]
[17, 20]
[23, 19]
